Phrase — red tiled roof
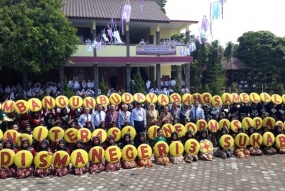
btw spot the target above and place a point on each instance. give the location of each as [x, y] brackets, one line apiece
[107, 9]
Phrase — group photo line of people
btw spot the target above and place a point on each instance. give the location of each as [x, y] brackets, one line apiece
[55, 137]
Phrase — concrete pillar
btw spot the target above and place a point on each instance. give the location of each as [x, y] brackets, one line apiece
[158, 75]
[179, 75]
[187, 67]
[61, 79]
[151, 74]
[94, 36]
[96, 78]
[128, 66]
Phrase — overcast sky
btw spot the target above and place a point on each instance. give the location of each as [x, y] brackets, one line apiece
[239, 16]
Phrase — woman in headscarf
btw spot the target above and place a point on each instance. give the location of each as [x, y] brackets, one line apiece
[44, 146]
[266, 149]
[127, 141]
[204, 156]
[7, 172]
[96, 167]
[189, 158]
[221, 152]
[61, 146]
[25, 172]
[175, 159]
[143, 162]
[278, 131]
[241, 152]
[254, 151]
[79, 171]
[152, 116]
[185, 114]
[111, 167]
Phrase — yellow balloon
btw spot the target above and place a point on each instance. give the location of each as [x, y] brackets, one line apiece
[79, 158]
[89, 102]
[213, 126]
[144, 151]
[129, 129]
[116, 132]
[1, 135]
[254, 97]
[187, 99]
[201, 124]
[235, 125]
[40, 133]
[227, 142]
[43, 160]
[23, 159]
[236, 98]
[175, 97]
[101, 133]
[257, 122]
[24, 136]
[129, 153]
[35, 104]
[48, 102]
[216, 101]
[11, 134]
[8, 106]
[255, 140]
[113, 154]
[241, 140]
[6, 157]
[167, 129]
[151, 98]
[180, 129]
[192, 146]
[227, 98]
[196, 97]
[161, 149]
[96, 154]
[268, 139]
[268, 122]
[191, 126]
[280, 141]
[103, 100]
[247, 122]
[115, 99]
[21, 106]
[75, 102]
[206, 146]
[283, 98]
[224, 123]
[206, 98]
[84, 134]
[139, 97]
[176, 148]
[280, 123]
[152, 131]
[55, 133]
[265, 97]
[244, 97]
[127, 98]
[70, 135]
[276, 99]
[60, 159]
[61, 101]
[162, 99]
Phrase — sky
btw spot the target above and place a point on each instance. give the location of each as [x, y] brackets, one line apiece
[240, 16]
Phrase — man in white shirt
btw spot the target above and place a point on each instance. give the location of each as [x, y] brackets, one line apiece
[138, 120]
[147, 84]
[84, 118]
[98, 116]
[124, 117]
[172, 83]
[196, 112]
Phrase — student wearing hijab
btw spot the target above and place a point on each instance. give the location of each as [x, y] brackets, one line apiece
[25, 172]
[221, 152]
[189, 158]
[159, 138]
[127, 141]
[96, 167]
[111, 167]
[265, 149]
[7, 172]
[143, 162]
[79, 145]
[201, 155]
[44, 146]
[61, 146]
[174, 159]
[254, 151]
[278, 131]
[241, 152]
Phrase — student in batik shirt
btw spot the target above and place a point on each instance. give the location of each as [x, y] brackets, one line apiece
[96, 167]
[174, 159]
[189, 157]
[254, 151]
[221, 152]
[127, 141]
[160, 160]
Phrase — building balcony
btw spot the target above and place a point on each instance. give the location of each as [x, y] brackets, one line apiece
[114, 51]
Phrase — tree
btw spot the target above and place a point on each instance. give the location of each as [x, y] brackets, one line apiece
[139, 83]
[279, 89]
[162, 4]
[36, 36]
[265, 54]
[229, 51]
[104, 87]
[234, 88]
[67, 91]
[206, 89]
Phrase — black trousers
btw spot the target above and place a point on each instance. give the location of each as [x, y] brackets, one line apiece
[139, 127]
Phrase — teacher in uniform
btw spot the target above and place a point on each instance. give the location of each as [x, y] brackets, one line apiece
[138, 120]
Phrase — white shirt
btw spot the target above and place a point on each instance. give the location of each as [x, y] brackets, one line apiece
[147, 84]
[83, 119]
[124, 116]
[97, 117]
[173, 82]
[138, 115]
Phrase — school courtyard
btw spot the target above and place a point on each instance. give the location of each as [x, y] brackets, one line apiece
[255, 173]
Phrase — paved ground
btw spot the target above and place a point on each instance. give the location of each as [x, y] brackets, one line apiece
[256, 173]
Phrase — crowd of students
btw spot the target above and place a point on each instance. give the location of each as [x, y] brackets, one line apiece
[141, 117]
